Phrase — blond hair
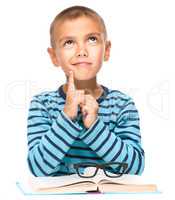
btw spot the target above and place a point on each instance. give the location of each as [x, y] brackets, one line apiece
[75, 12]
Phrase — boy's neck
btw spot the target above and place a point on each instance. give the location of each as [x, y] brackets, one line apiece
[90, 86]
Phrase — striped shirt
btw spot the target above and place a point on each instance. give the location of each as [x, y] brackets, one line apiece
[55, 142]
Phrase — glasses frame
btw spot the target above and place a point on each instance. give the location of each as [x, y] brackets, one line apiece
[100, 166]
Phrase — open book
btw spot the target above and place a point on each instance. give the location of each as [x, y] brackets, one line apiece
[99, 183]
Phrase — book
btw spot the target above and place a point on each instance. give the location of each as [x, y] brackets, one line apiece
[100, 184]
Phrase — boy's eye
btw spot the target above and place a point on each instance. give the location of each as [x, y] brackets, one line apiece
[68, 43]
[92, 39]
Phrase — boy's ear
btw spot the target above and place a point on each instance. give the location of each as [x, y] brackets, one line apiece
[107, 50]
[53, 56]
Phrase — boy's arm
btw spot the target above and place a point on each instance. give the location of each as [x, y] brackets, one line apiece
[122, 143]
[48, 139]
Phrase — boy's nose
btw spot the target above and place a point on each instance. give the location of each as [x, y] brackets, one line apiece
[82, 52]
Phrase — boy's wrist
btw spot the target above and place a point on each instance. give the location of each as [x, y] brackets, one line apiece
[68, 114]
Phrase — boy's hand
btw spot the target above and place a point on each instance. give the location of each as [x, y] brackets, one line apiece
[89, 110]
[88, 104]
[73, 98]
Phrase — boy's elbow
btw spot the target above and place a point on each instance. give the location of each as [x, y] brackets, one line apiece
[141, 170]
[136, 166]
[44, 171]
[141, 165]
[30, 167]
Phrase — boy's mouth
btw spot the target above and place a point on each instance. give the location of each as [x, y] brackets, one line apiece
[82, 64]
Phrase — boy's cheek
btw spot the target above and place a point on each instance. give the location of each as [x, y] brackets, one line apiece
[65, 61]
[97, 54]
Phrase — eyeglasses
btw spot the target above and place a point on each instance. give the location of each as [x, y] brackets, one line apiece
[111, 169]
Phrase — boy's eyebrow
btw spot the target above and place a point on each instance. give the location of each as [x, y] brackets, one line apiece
[95, 33]
[66, 38]
[73, 37]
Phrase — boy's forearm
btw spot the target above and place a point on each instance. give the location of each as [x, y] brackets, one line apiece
[122, 143]
[48, 143]
[111, 148]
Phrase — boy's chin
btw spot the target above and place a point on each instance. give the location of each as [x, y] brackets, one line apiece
[83, 77]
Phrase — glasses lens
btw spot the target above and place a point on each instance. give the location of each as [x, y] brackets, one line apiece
[114, 169]
[86, 171]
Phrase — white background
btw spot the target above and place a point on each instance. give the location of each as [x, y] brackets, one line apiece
[142, 65]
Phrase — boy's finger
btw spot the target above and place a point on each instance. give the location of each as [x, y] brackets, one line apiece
[89, 97]
[84, 111]
[71, 86]
[80, 97]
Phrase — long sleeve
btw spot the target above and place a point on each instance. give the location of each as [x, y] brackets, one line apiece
[122, 143]
[48, 139]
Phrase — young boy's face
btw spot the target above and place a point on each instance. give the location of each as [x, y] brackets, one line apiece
[80, 46]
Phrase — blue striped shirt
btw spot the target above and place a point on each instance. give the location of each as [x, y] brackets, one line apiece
[55, 142]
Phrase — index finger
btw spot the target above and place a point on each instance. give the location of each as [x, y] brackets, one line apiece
[71, 85]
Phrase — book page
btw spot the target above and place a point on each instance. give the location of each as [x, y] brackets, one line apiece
[118, 187]
[125, 179]
[100, 179]
[53, 182]
[126, 183]
[79, 187]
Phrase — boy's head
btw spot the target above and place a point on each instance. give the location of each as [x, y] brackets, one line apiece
[79, 43]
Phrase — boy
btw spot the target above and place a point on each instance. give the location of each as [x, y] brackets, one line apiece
[82, 121]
